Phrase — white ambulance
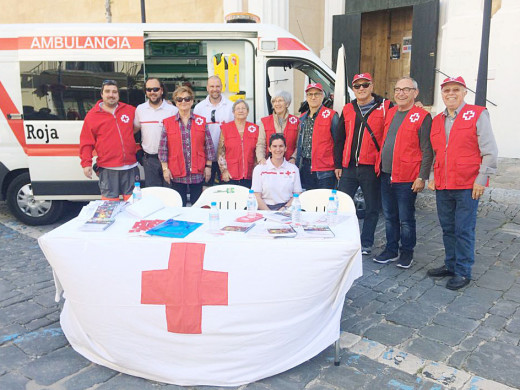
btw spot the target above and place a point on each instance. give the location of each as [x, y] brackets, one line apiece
[51, 75]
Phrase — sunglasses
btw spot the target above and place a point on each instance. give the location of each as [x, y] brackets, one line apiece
[364, 85]
[109, 82]
[213, 119]
[155, 89]
[184, 99]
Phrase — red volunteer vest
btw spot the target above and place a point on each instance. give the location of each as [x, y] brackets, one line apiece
[240, 153]
[376, 120]
[407, 158]
[322, 155]
[176, 162]
[456, 164]
[290, 133]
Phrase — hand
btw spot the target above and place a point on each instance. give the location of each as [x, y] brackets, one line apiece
[419, 104]
[262, 161]
[478, 190]
[431, 185]
[418, 185]
[87, 171]
[207, 174]
[338, 173]
[226, 176]
[167, 175]
[292, 160]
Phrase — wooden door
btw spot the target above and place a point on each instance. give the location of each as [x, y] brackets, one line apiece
[384, 52]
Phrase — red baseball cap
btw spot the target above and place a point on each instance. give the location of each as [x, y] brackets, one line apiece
[458, 80]
[314, 85]
[362, 76]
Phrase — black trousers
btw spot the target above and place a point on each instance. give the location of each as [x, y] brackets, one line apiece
[194, 189]
[364, 176]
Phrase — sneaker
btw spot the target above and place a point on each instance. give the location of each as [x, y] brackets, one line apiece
[386, 257]
[366, 250]
[405, 260]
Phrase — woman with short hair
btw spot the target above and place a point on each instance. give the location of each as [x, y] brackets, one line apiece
[236, 147]
[280, 122]
[186, 149]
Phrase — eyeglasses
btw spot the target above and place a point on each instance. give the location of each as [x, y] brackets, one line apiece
[155, 89]
[213, 116]
[406, 90]
[364, 85]
[314, 94]
[184, 99]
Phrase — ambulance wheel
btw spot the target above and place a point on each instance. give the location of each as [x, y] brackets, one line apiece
[24, 207]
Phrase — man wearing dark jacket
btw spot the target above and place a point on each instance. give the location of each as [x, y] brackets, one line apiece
[108, 128]
[357, 144]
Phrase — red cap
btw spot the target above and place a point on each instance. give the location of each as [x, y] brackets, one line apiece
[458, 80]
[362, 76]
[314, 85]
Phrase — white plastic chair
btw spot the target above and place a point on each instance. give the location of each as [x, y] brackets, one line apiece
[227, 196]
[317, 200]
[169, 196]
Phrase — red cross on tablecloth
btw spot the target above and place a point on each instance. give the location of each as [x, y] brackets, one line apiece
[184, 288]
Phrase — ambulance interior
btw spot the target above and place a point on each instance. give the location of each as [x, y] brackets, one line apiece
[191, 62]
[293, 75]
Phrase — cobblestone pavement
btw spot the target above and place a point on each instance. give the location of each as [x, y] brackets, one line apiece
[400, 329]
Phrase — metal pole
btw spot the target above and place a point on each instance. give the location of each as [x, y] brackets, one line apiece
[143, 12]
[480, 97]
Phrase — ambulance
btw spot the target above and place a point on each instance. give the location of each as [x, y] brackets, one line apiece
[51, 76]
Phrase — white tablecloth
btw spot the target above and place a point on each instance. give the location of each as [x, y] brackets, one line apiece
[283, 304]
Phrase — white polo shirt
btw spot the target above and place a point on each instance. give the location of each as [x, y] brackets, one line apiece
[215, 116]
[276, 185]
[150, 120]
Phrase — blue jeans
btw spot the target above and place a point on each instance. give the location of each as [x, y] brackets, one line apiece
[399, 210]
[313, 180]
[365, 177]
[457, 213]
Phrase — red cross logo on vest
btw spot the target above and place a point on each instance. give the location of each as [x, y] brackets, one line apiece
[325, 114]
[293, 120]
[288, 173]
[414, 117]
[198, 121]
[184, 288]
[125, 118]
[468, 115]
[251, 129]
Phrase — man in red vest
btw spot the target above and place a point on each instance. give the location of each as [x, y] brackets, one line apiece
[357, 145]
[403, 165]
[314, 150]
[465, 156]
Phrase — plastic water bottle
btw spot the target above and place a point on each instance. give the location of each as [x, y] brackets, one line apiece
[336, 199]
[296, 210]
[136, 193]
[252, 204]
[214, 219]
[332, 212]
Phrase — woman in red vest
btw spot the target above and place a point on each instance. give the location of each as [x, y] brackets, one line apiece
[236, 147]
[186, 149]
[279, 122]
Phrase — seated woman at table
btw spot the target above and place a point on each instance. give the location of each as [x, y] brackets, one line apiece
[277, 180]
[236, 147]
[186, 149]
[279, 122]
